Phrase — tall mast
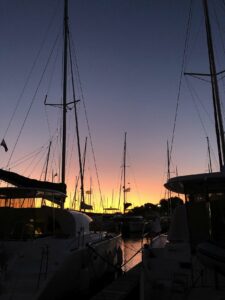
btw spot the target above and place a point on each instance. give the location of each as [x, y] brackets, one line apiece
[210, 162]
[168, 161]
[215, 90]
[64, 91]
[67, 46]
[168, 177]
[47, 161]
[82, 164]
[124, 171]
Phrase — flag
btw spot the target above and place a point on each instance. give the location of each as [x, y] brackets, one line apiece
[127, 190]
[126, 205]
[3, 144]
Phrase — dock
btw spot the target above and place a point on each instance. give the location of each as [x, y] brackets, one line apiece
[123, 287]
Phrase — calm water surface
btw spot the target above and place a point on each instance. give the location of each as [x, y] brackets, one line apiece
[131, 248]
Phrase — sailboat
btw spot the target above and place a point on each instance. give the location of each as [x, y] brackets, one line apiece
[47, 251]
[130, 224]
[189, 263]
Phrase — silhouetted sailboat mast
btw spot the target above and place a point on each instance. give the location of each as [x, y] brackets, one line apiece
[215, 89]
[65, 104]
[65, 58]
[209, 155]
[124, 171]
[125, 188]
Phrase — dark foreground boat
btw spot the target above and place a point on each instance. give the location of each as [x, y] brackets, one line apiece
[46, 250]
[189, 262]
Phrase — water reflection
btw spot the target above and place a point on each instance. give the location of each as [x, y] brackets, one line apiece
[131, 248]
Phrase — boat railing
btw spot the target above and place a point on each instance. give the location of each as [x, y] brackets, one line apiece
[82, 238]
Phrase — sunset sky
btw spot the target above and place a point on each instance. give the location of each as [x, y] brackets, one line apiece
[129, 55]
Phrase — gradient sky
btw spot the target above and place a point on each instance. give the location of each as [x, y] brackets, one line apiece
[129, 55]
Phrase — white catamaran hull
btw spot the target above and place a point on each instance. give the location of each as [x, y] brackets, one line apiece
[46, 268]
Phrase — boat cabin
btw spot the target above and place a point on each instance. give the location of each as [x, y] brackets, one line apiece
[205, 204]
[21, 218]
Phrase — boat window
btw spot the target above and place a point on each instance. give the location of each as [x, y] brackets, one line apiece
[196, 198]
[216, 196]
[27, 230]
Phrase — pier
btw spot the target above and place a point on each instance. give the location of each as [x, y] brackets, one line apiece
[123, 287]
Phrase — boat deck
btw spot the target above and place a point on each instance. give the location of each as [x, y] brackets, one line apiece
[170, 273]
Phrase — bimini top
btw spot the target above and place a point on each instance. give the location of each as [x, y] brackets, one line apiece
[30, 188]
[25, 193]
[197, 183]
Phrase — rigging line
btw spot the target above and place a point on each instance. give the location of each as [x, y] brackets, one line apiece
[88, 126]
[81, 166]
[45, 168]
[72, 147]
[197, 110]
[214, 157]
[25, 157]
[35, 164]
[48, 88]
[77, 179]
[31, 104]
[195, 37]
[122, 185]
[120, 188]
[33, 157]
[54, 160]
[194, 96]
[198, 77]
[222, 42]
[219, 29]
[136, 253]
[30, 72]
[53, 138]
[121, 179]
[75, 194]
[133, 175]
[181, 77]
[165, 178]
[130, 247]
[30, 165]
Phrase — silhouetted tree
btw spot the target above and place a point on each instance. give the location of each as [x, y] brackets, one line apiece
[168, 205]
[145, 210]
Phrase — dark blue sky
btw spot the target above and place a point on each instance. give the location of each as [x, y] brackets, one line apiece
[129, 55]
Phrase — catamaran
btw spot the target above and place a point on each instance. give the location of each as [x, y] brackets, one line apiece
[189, 262]
[47, 250]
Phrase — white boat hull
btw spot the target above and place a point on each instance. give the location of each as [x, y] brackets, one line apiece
[48, 268]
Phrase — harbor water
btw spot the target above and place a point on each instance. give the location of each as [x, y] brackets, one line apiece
[131, 248]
